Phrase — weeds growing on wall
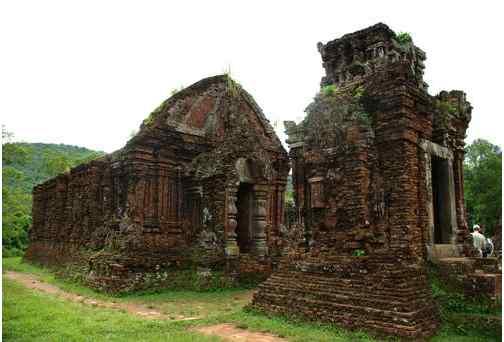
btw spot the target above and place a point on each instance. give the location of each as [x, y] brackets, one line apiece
[359, 252]
[329, 90]
[403, 38]
[233, 87]
[358, 92]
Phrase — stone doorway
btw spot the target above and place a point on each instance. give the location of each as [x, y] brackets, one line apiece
[244, 205]
[247, 212]
[441, 200]
[441, 210]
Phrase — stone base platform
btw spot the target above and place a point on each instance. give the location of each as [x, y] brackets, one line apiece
[474, 276]
[381, 294]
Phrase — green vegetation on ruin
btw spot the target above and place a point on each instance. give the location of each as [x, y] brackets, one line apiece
[150, 119]
[233, 87]
[358, 92]
[329, 90]
[403, 38]
[359, 252]
[364, 118]
[446, 107]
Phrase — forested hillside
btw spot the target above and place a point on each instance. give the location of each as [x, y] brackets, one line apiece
[25, 165]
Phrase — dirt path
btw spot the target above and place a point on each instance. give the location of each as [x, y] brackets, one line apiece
[227, 331]
[231, 333]
[32, 282]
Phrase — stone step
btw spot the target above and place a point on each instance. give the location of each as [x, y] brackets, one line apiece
[355, 268]
[343, 290]
[480, 283]
[413, 283]
[335, 307]
[488, 265]
[438, 251]
[362, 275]
[360, 298]
[464, 265]
[349, 320]
[476, 276]
[311, 283]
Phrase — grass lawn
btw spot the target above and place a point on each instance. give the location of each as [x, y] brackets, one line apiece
[29, 315]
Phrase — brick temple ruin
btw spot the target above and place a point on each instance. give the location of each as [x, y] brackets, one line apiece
[377, 168]
[378, 186]
[202, 183]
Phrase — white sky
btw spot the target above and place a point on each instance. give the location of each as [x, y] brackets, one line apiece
[87, 73]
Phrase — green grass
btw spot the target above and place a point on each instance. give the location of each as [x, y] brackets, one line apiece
[32, 316]
[470, 319]
[193, 304]
[16, 264]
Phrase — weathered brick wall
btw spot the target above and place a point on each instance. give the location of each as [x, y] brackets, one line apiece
[161, 200]
[453, 114]
[70, 213]
[361, 176]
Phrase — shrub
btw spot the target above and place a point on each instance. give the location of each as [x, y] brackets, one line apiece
[12, 252]
[234, 88]
[329, 90]
[364, 118]
[403, 38]
[358, 92]
[359, 252]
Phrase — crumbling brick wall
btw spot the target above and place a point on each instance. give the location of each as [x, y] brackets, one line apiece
[163, 200]
[362, 185]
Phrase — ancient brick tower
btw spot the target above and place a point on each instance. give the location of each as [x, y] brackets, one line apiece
[377, 172]
[202, 183]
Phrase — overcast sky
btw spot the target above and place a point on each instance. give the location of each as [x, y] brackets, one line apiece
[87, 73]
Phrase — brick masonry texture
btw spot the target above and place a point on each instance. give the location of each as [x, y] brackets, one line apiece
[377, 181]
[168, 199]
[377, 173]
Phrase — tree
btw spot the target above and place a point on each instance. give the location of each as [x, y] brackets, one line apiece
[483, 184]
[16, 204]
[56, 163]
[25, 165]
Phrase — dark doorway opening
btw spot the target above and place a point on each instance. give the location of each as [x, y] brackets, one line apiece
[441, 200]
[244, 204]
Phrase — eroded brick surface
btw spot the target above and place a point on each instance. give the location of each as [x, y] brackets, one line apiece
[377, 171]
[378, 187]
[168, 199]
